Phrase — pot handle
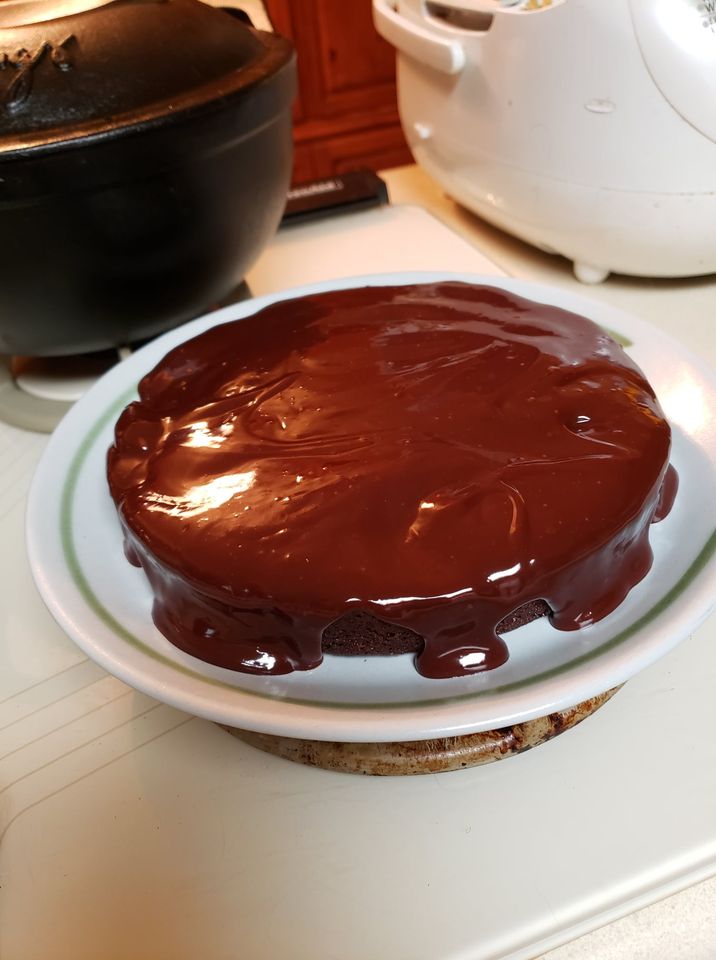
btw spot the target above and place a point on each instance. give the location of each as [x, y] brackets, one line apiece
[447, 56]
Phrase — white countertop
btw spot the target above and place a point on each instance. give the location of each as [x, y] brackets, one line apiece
[130, 829]
[686, 306]
[682, 927]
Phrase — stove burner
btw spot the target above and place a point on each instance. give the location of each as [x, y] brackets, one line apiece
[36, 392]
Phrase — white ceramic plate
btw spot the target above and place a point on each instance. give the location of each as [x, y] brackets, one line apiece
[104, 604]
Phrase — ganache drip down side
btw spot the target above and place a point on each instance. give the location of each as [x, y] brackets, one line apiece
[435, 455]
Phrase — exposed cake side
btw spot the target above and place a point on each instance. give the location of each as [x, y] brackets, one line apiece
[436, 456]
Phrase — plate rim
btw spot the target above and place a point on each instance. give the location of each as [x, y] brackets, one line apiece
[324, 720]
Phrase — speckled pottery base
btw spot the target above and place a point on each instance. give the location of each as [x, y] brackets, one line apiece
[424, 756]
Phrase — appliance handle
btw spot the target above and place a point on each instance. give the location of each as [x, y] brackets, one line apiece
[501, 7]
[474, 6]
[447, 56]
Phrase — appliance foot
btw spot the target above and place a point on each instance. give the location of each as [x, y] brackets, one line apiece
[586, 273]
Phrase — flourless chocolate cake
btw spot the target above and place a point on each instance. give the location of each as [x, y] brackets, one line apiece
[389, 470]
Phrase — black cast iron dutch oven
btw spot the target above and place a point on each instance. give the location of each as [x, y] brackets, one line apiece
[145, 156]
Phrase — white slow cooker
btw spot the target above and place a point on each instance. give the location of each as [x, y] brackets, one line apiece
[586, 127]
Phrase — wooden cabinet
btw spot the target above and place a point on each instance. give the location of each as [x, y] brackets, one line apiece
[346, 115]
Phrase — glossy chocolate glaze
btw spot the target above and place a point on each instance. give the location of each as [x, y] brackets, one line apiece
[433, 455]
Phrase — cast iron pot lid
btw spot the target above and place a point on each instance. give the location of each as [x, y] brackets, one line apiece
[76, 68]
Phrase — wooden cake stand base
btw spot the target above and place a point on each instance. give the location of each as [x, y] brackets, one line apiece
[424, 756]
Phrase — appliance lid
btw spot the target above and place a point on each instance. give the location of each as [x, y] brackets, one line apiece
[73, 68]
[678, 42]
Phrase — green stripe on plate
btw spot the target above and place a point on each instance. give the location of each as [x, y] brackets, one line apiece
[620, 338]
[94, 603]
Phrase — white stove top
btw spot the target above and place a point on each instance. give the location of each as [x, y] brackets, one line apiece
[130, 830]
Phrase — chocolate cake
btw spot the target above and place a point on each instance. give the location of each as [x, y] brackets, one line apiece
[389, 470]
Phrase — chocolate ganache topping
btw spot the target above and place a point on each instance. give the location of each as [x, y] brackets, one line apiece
[434, 455]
